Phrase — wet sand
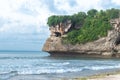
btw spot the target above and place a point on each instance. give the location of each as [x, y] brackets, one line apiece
[115, 75]
[108, 77]
[36, 77]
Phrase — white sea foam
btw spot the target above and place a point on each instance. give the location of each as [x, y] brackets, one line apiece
[40, 65]
[60, 64]
[60, 67]
[102, 67]
[48, 71]
[56, 69]
[29, 69]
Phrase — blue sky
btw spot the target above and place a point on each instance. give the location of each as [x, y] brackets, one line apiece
[30, 16]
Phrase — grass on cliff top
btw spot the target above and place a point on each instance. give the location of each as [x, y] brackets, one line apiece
[94, 25]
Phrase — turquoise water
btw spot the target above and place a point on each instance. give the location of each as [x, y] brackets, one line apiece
[23, 56]
[39, 63]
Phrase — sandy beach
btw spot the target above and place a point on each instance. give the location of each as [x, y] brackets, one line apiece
[104, 76]
[108, 77]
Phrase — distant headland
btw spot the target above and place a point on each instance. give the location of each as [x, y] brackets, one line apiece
[91, 34]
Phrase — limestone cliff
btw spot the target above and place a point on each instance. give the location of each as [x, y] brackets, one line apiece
[104, 47]
[60, 29]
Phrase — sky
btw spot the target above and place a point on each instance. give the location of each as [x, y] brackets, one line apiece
[24, 22]
[30, 16]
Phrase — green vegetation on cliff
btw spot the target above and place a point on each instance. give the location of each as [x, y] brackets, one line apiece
[93, 24]
[54, 20]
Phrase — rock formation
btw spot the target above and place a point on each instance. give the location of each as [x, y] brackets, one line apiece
[104, 47]
[60, 29]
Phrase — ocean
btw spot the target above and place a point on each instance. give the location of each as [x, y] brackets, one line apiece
[16, 63]
[22, 58]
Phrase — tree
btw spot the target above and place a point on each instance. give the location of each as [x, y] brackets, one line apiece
[113, 13]
[94, 24]
[92, 12]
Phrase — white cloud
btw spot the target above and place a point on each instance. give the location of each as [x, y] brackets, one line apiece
[79, 5]
[23, 13]
[10, 10]
[86, 5]
[117, 2]
[62, 5]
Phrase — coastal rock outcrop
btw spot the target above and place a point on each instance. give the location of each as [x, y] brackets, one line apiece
[104, 47]
[60, 29]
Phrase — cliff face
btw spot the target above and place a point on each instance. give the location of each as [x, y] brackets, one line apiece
[60, 29]
[103, 47]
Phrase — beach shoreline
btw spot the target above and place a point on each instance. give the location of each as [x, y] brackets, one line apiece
[114, 75]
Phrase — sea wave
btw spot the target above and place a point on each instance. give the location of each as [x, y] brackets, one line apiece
[102, 67]
[35, 63]
[65, 70]
[49, 71]
[5, 76]
[60, 64]
[54, 70]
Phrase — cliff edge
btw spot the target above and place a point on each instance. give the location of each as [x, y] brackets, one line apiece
[104, 47]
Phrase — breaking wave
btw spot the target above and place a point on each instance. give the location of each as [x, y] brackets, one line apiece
[13, 64]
